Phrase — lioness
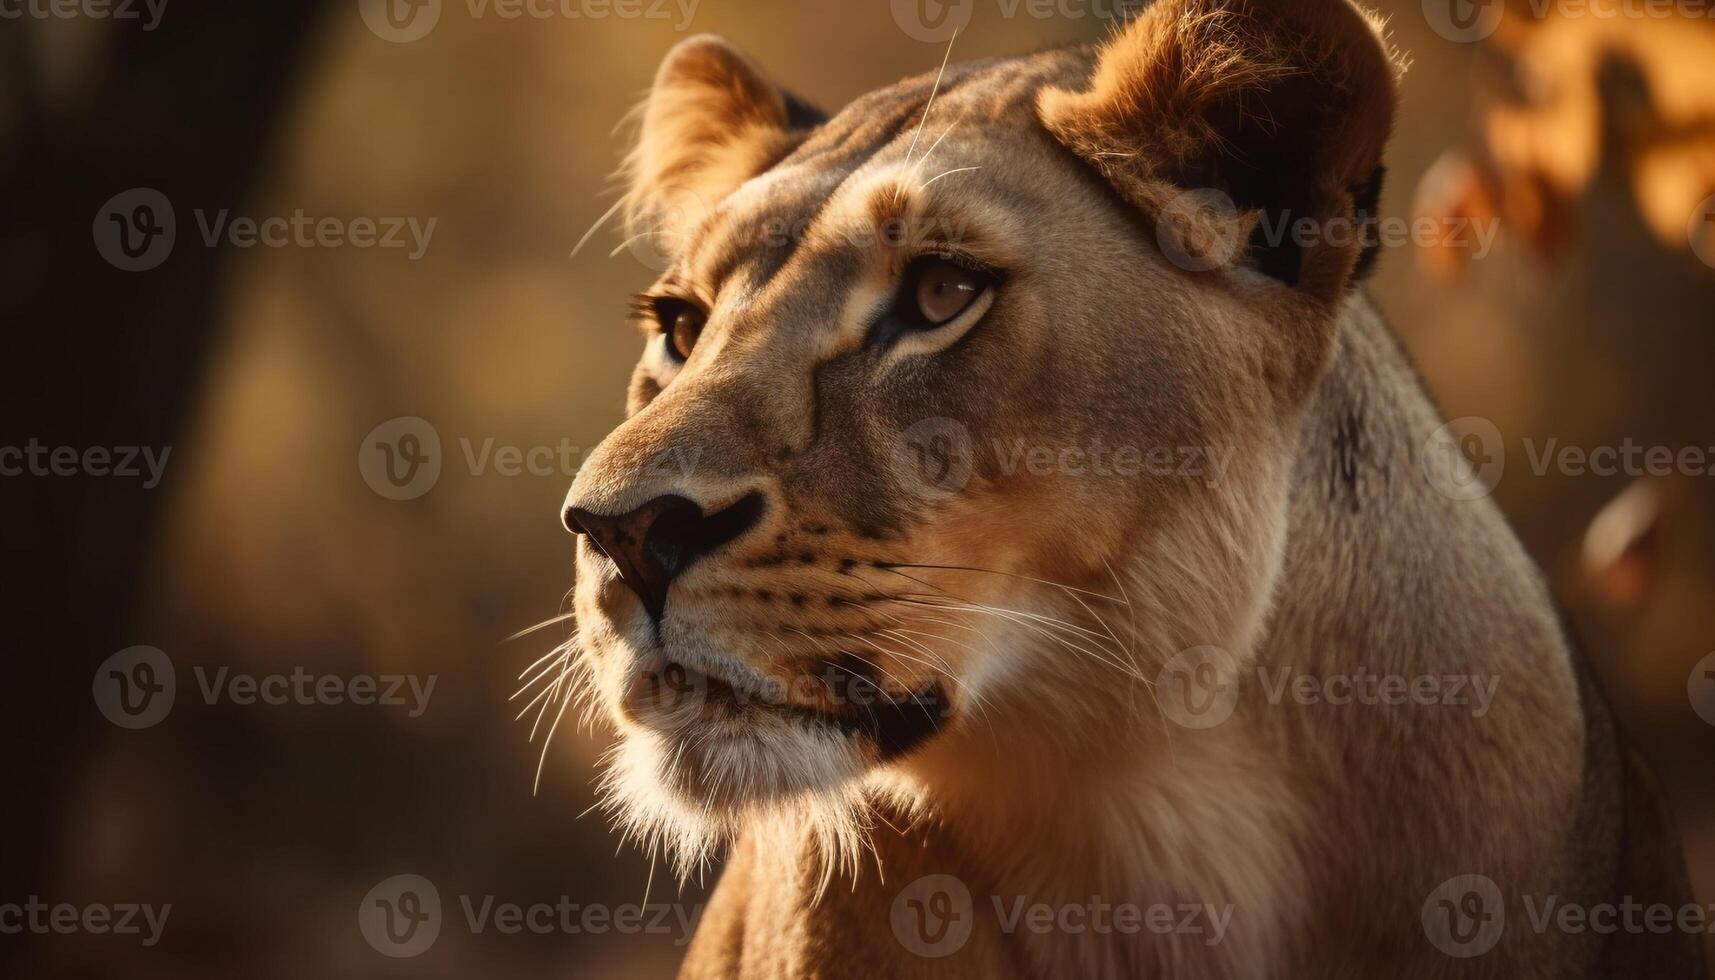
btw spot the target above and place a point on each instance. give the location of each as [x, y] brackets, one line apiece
[1026, 564]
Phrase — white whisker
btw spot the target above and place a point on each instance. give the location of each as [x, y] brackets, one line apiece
[934, 90]
[608, 214]
[947, 173]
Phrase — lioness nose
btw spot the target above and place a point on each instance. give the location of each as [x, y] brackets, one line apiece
[654, 543]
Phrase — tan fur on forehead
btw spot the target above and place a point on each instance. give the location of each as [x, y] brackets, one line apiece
[894, 213]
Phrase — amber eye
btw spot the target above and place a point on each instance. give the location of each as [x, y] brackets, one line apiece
[944, 289]
[937, 291]
[682, 323]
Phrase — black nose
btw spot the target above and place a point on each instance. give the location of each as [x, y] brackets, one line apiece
[654, 543]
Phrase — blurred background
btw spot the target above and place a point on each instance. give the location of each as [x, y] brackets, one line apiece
[460, 150]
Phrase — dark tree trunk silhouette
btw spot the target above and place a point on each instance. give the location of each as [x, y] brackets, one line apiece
[97, 356]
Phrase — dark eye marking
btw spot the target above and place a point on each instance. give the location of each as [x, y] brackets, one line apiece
[679, 320]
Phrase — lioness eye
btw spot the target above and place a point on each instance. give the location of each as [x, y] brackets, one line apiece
[936, 292]
[944, 289]
[682, 323]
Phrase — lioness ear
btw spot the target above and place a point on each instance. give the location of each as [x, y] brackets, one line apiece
[1283, 106]
[711, 122]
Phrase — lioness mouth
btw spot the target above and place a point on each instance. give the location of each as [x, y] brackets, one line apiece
[683, 695]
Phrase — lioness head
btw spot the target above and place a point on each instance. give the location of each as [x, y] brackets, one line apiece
[961, 412]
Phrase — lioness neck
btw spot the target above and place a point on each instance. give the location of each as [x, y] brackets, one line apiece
[1241, 828]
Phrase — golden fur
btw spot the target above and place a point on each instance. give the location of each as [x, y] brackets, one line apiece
[1037, 616]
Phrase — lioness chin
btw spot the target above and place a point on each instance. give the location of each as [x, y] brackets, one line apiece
[1002, 511]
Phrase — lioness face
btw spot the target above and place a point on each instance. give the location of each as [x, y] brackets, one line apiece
[924, 414]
